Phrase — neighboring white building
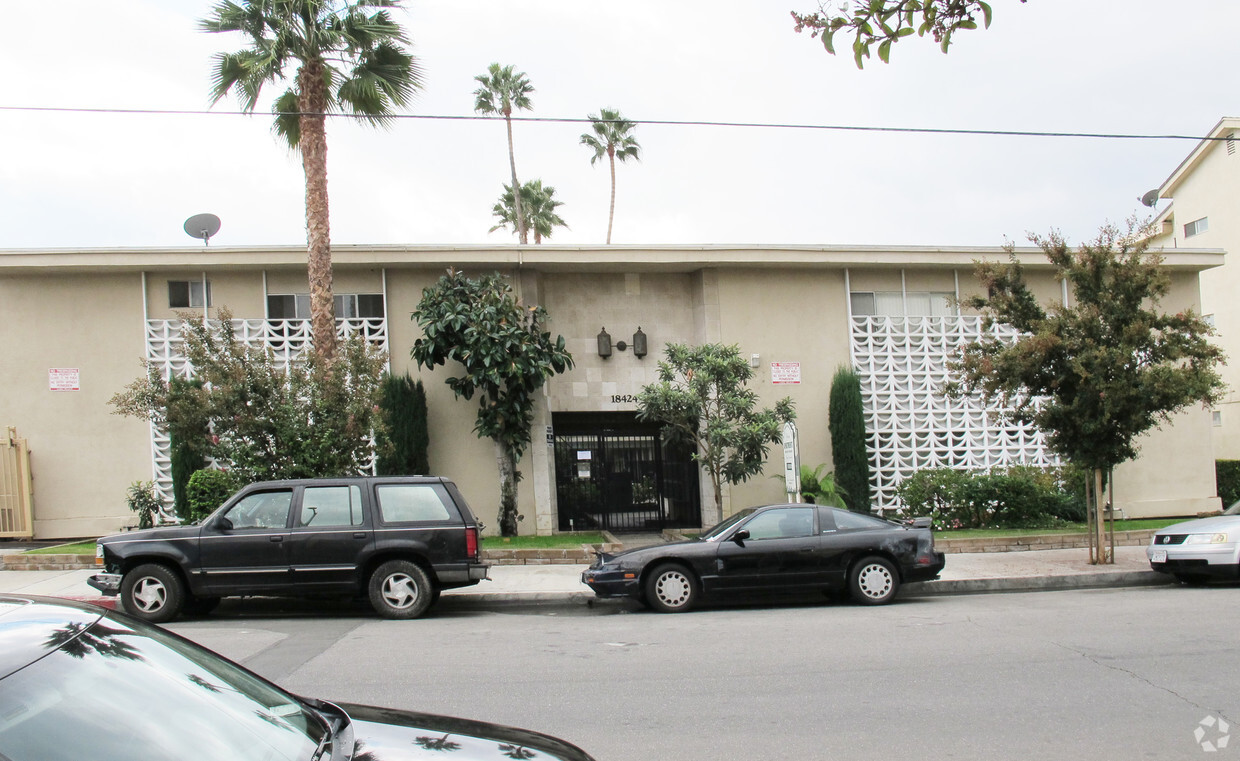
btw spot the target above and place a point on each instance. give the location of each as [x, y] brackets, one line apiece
[1205, 213]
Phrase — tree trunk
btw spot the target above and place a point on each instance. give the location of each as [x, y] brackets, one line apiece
[522, 233]
[611, 213]
[312, 100]
[1101, 551]
[507, 490]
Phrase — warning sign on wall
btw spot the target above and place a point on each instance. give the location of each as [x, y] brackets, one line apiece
[64, 379]
[785, 372]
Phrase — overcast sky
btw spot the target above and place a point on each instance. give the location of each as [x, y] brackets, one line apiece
[1099, 66]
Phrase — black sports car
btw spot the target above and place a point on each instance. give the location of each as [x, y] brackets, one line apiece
[775, 547]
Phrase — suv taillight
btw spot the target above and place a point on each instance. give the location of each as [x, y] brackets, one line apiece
[471, 542]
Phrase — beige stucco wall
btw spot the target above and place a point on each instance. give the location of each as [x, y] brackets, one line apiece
[83, 458]
[1211, 189]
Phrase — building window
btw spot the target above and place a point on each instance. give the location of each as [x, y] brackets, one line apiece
[188, 294]
[894, 303]
[1217, 419]
[296, 306]
[1196, 226]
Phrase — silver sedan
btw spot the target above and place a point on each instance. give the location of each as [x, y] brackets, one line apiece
[1199, 550]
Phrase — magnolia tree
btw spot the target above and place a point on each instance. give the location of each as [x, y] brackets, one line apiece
[498, 350]
[1095, 374]
[702, 397]
[261, 421]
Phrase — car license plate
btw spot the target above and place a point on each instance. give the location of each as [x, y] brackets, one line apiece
[1158, 556]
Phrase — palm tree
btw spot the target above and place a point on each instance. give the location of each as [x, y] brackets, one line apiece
[500, 91]
[612, 136]
[538, 207]
[349, 57]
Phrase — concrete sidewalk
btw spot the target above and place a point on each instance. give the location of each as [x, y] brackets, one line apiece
[966, 573]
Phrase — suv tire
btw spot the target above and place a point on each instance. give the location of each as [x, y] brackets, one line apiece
[400, 590]
[152, 592]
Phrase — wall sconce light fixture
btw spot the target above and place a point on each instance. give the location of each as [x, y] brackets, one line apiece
[638, 345]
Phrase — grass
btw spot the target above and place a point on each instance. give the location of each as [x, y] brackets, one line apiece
[1074, 528]
[555, 542]
[77, 548]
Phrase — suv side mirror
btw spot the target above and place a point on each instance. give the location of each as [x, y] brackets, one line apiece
[223, 524]
[740, 536]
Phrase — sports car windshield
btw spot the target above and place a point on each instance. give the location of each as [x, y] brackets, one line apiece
[723, 528]
[115, 692]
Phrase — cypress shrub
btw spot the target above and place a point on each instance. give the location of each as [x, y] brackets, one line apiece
[1227, 480]
[185, 461]
[208, 489]
[187, 436]
[403, 444]
[846, 423]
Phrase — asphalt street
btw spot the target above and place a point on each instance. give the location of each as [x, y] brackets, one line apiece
[1088, 674]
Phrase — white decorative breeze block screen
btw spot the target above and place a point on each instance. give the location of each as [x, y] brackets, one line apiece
[910, 424]
[287, 340]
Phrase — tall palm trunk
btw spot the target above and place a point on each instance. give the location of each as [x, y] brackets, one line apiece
[611, 213]
[522, 234]
[312, 101]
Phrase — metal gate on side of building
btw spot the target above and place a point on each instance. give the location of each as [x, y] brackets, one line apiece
[615, 473]
[16, 492]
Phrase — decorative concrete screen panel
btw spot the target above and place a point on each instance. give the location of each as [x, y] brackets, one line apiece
[287, 340]
[910, 424]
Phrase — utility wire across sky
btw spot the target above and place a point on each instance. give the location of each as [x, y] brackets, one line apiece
[654, 122]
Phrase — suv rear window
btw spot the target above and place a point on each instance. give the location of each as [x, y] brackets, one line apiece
[411, 503]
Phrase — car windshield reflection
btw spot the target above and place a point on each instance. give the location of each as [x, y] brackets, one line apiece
[722, 528]
[192, 705]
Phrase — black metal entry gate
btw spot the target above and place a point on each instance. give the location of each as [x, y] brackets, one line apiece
[615, 473]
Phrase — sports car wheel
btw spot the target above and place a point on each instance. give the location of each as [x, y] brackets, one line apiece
[671, 588]
[152, 592]
[400, 589]
[873, 581]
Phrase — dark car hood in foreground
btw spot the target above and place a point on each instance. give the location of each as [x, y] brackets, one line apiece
[386, 734]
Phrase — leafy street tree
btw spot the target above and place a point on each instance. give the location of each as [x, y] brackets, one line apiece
[888, 21]
[313, 418]
[501, 90]
[538, 204]
[501, 353]
[612, 138]
[1095, 375]
[849, 454]
[702, 397]
[349, 57]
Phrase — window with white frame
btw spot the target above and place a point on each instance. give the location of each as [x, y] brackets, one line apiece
[189, 294]
[901, 304]
[1196, 227]
[296, 306]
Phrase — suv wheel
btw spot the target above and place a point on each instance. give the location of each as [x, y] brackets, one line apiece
[152, 592]
[400, 589]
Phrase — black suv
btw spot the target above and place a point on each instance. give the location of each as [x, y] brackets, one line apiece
[399, 540]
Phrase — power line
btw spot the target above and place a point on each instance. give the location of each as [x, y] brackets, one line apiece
[654, 122]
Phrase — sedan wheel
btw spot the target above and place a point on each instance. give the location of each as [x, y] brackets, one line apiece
[152, 592]
[873, 581]
[671, 589]
[401, 590]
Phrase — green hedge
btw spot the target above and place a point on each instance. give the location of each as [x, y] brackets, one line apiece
[1018, 497]
[1227, 480]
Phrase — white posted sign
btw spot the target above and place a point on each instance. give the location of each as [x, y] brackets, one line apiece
[792, 461]
[64, 379]
[785, 372]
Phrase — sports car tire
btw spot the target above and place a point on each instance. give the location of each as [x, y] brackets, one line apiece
[671, 588]
[400, 589]
[152, 592]
[873, 581]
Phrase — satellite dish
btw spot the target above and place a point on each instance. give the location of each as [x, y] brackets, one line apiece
[1150, 198]
[202, 226]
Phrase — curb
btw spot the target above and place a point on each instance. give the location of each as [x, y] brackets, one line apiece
[1037, 583]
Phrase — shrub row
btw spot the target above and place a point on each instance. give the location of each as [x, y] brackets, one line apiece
[1018, 497]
